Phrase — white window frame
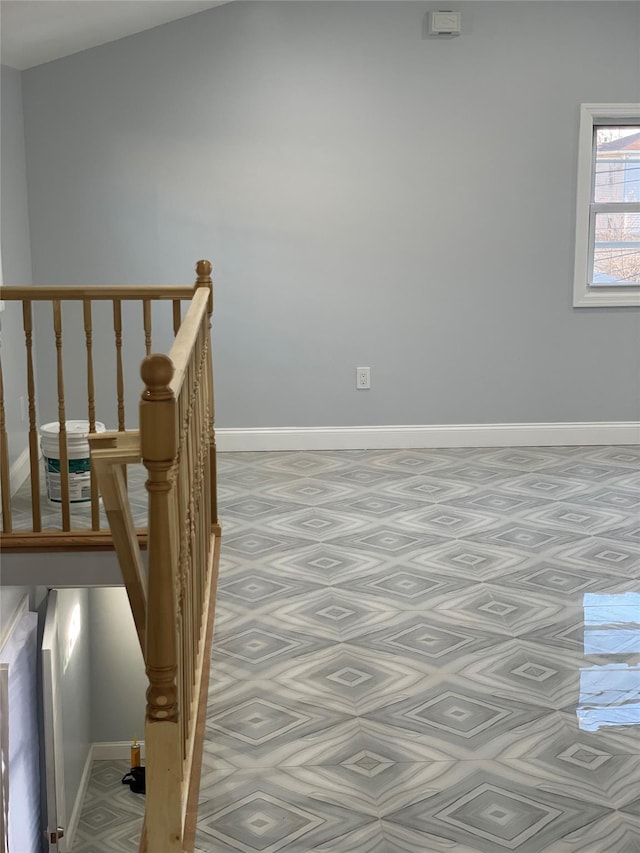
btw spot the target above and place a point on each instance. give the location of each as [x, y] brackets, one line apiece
[592, 115]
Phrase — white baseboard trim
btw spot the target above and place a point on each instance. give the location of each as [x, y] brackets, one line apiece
[117, 750]
[74, 820]
[401, 437]
[19, 471]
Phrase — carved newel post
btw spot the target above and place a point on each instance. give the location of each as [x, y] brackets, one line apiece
[158, 431]
[163, 824]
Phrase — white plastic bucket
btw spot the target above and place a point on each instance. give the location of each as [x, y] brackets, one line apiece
[79, 462]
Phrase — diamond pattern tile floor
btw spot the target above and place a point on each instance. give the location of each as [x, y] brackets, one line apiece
[111, 818]
[51, 513]
[422, 651]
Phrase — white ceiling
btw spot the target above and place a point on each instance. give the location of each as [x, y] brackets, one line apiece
[37, 31]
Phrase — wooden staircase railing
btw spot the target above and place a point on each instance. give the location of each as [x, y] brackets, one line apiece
[173, 600]
[92, 330]
[172, 594]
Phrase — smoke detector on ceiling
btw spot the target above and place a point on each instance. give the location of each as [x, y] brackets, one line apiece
[445, 23]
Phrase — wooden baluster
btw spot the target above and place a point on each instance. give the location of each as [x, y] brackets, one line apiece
[204, 269]
[202, 441]
[177, 319]
[194, 598]
[196, 506]
[62, 420]
[186, 631]
[196, 378]
[189, 385]
[117, 328]
[182, 681]
[197, 429]
[91, 397]
[196, 516]
[205, 520]
[183, 520]
[184, 573]
[146, 319]
[34, 455]
[88, 335]
[176, 522]
[208, 486]
[5, 471]
[163, 821]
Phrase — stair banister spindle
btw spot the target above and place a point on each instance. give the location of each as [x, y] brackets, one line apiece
[62, 419]
[177, 318]
[5, 478]
[146, 320]
[34, 455]
[204, 269]
[117, 329]
[91, 405]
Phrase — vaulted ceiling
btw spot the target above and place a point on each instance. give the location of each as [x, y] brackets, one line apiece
[36, 31]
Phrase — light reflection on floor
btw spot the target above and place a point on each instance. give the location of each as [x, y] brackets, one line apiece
[610, 693]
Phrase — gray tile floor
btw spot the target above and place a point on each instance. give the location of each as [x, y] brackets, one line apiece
[424, 651]
[111, 820]
[80, 512]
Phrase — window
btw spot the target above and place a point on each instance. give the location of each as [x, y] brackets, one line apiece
[607, 263]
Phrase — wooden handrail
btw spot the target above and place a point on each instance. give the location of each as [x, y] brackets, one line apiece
[186, 339]
[45, 293]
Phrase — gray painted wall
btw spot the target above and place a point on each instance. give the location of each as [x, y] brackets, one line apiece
[118, 680]
[369, 196]
[16, 252]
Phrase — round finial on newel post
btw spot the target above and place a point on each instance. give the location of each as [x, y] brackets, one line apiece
[204, 269]
[157, 372]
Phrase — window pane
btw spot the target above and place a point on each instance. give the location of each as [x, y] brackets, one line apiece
[616, 255]
[617, 177]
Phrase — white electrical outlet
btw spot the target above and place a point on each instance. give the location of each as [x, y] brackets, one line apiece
[363, 378]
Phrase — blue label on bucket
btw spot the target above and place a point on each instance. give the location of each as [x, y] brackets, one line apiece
[78, 479]
[76, 466]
